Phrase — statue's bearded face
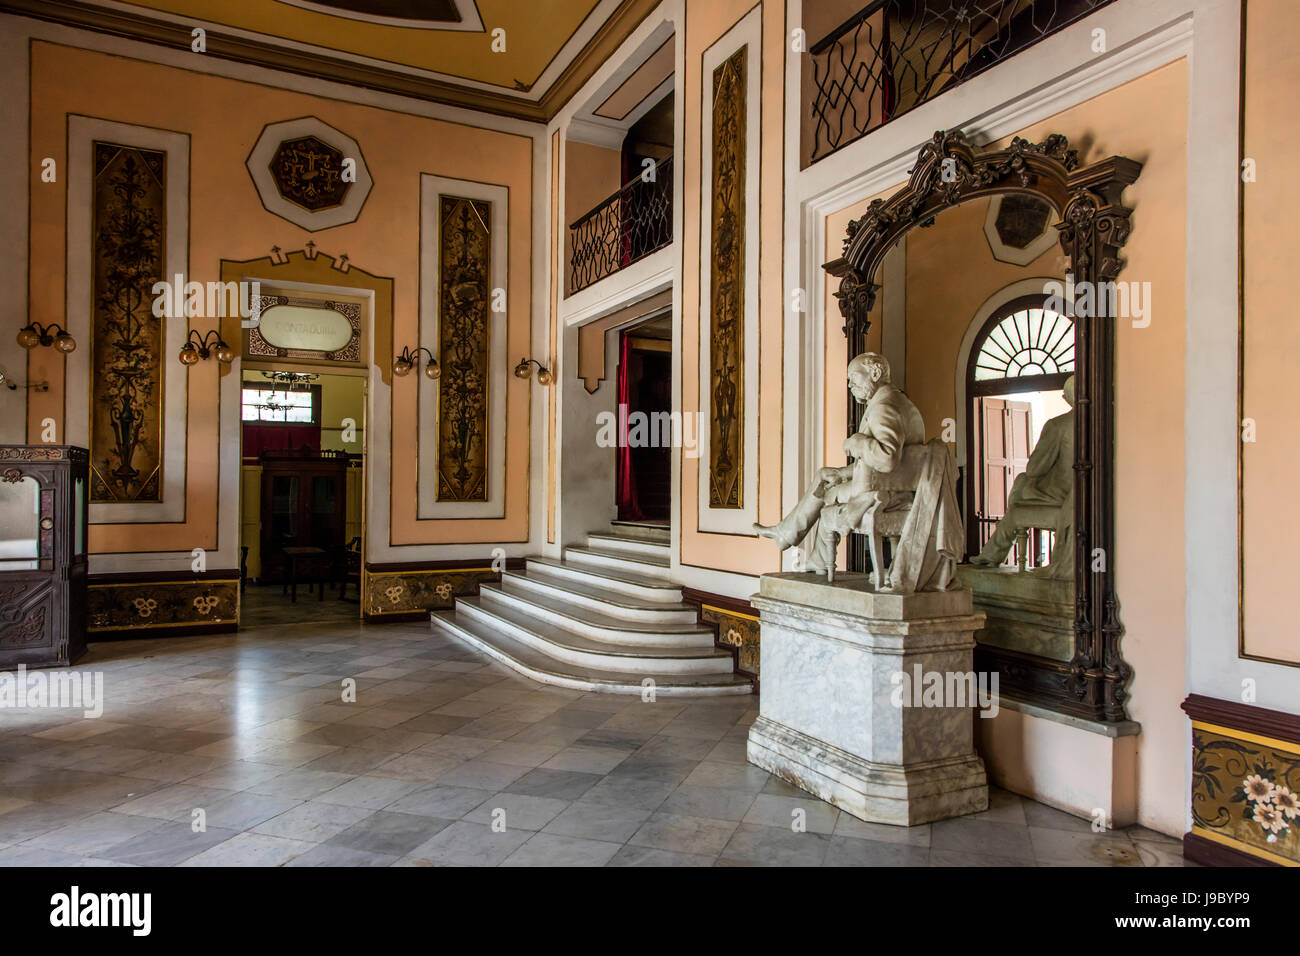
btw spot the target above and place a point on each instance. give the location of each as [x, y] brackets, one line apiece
[861, 385]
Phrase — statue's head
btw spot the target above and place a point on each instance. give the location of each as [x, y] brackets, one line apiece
[1068, 389]
[867, 372]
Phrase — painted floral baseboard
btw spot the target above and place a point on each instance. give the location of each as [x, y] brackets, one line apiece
[736, 630]
[142, 605]
[407, 592]
[1246, 791]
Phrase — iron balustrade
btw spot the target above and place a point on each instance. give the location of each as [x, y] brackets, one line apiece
[894, 55]
[628, 226]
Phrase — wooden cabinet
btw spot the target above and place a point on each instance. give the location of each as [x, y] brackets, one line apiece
[304, 505]
[44, 509]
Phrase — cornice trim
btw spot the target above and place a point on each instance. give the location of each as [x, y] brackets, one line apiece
[151, 29]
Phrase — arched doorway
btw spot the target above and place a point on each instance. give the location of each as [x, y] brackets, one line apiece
[1015, 374]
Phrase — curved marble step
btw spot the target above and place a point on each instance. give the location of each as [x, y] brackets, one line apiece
[628, 544]
[570, 648]
[594, 624]
[591, 597]
[629, 583]
[640, 529]
[538, 666]
[658, 566]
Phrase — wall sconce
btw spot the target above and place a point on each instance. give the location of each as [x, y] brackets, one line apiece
[403, 364]
[210, 344]
[525, 368]
[33, 334]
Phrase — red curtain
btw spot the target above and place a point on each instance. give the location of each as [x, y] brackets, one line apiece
[260, 438]
[629, 508]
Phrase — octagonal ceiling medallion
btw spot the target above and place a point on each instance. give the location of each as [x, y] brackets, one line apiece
[309, 173]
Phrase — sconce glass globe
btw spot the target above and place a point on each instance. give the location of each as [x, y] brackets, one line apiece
[433, 370]
[401, 367]
[523, 369]
[189, 355]
[544, 377]
[28, 338]
[64, 342]
[225, 353]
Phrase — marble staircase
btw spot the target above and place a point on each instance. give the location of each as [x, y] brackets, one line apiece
[606, 617]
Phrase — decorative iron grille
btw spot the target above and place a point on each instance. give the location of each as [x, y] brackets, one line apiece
[894, 55]
[628, 226]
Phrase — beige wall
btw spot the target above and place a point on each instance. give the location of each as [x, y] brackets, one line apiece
[1271, 334]
[223, 119]
[591, 175]
[705, 23]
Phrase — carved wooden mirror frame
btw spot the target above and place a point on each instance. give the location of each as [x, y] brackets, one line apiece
[1094, 226]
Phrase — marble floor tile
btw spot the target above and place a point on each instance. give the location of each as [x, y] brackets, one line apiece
[684, 834]
[470, 844]
[517, 811]
[437, 800]
[369, 791]
[551, 849]
[313, 822]
[598, 821]
[250, 849]
[384, 833]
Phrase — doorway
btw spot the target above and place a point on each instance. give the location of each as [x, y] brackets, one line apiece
[302, 494]
[643, 479]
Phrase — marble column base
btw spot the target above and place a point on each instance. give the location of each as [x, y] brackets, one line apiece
[833, 718]
[880, 793]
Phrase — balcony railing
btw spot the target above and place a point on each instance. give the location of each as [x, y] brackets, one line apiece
[894, 55]
[628, 226]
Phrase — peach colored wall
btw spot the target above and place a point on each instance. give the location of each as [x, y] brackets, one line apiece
[1145, 120]
[1271, 334]
[705, 23]
[223, 118]
[951, 272]
[591, 175]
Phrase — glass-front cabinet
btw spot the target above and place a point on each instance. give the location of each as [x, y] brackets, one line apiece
[43, 514]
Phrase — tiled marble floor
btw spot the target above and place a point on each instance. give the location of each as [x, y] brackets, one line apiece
[250, 729]
[265, 604]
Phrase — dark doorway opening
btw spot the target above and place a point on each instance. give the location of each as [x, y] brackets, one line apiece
[645, 375]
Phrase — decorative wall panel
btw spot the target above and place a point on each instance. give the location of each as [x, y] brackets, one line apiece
[145, 605]
[727, 285]
[736, 630]
[464, 299]
[306, 329]
[126, 391]
[408, 592]
[1246, 792]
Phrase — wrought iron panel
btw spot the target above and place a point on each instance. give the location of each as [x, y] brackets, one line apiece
[894, 55]
[625, 228]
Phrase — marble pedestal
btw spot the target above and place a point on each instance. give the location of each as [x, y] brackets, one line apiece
[829, 715]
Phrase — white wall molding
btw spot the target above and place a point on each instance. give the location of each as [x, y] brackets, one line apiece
[83, 131]
[747, 33]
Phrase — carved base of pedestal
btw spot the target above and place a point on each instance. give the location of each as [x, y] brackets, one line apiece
[879, 793]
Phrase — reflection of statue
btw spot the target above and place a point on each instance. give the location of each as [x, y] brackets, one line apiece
[1042, 497]
[895, 486]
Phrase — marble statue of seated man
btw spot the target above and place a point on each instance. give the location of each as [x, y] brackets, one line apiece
[1047, 482]
[840, 498]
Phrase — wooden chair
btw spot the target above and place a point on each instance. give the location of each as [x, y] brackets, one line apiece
[349, 568]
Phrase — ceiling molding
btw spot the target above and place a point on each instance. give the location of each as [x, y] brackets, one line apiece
[595, 133]
[148, 28]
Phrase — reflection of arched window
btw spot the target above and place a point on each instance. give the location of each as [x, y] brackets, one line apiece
[1018, 365]
[1026, 341]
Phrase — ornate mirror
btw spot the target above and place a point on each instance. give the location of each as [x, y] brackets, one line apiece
[970, 275]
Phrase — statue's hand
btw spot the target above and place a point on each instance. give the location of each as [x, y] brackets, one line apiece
[855, 446]
[829, 476]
